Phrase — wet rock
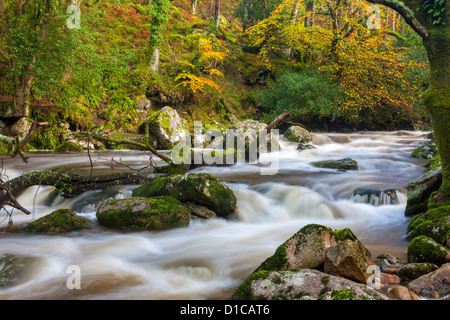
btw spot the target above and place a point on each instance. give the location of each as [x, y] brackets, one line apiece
[203, 189]
[434, 223]
[341, 164]
[434, 285]
[59, 221]
[388, 260]
[168, 127]
[419, 191]
[304, 146]
[15, 269]
[348, 259]
[298, 134]
[200, 211]
[376, 197]
[92, 200]
[387, 278]
[402, 293]
[425, 249]
[158, 213]
[413, 271]
[303, 284]
[250, 125]
[305, 249]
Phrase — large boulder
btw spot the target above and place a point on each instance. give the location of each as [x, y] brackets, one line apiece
[435, 284]
[168, 127]
[159, 213]
[349, 259]
[203, 189]
[298, 134]
[420, 190]
[303, 284]
[304, 250]
[59, 221]
[425, 249]
[340, 164]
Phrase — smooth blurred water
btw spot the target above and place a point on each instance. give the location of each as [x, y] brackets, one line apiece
[209, 259]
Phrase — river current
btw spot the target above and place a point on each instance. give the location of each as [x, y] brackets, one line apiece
[209, 259]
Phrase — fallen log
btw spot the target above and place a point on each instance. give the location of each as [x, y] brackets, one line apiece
[66, 180]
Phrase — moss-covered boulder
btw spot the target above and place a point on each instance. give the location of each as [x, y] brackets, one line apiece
[305, 249]
[420, 190]
[340, 164]
[298, 134]
[434, 223]
[15, 269]
[203, 189]
[303, 284]
[413, 271]
[158, 213]
[425, 249]
[59, 221]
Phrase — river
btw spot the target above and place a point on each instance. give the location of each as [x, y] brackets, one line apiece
[209, 259]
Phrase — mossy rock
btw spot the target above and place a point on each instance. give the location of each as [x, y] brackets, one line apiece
[203, 189]
[413, 271]
[302, 284]
[425, 249]
[59, 221]
[340, 164]
[69, 146]
[15, 269]
[435, 223]
[420, 190]
[305, 249]
[298, 134]
[137, 213]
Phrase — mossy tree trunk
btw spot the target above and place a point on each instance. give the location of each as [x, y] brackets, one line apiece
[431, 21]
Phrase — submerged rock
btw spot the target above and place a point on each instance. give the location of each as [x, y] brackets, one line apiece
[303, 284]
[91, 201]
[59, 221]
[168, 127]
[158, 213]
[203, 189]
[377, 197]
[341, 164]
[15, 269]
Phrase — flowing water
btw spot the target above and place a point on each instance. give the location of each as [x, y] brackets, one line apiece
[209, 259]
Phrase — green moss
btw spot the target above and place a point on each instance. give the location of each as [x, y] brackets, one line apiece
[244, 291]
[275, 262]
[344, 234]
[425, 249]
[343, 295]
[62, 220]
[433, 223]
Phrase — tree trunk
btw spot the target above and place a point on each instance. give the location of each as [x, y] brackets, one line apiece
[217, 13]
[21, 102]
[437, 97]
[194, 6]
[310, 7]
[154, 63]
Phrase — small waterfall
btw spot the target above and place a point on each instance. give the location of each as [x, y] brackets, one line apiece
[377, 197]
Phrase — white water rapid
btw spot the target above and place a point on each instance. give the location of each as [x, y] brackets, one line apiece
[209, 259]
